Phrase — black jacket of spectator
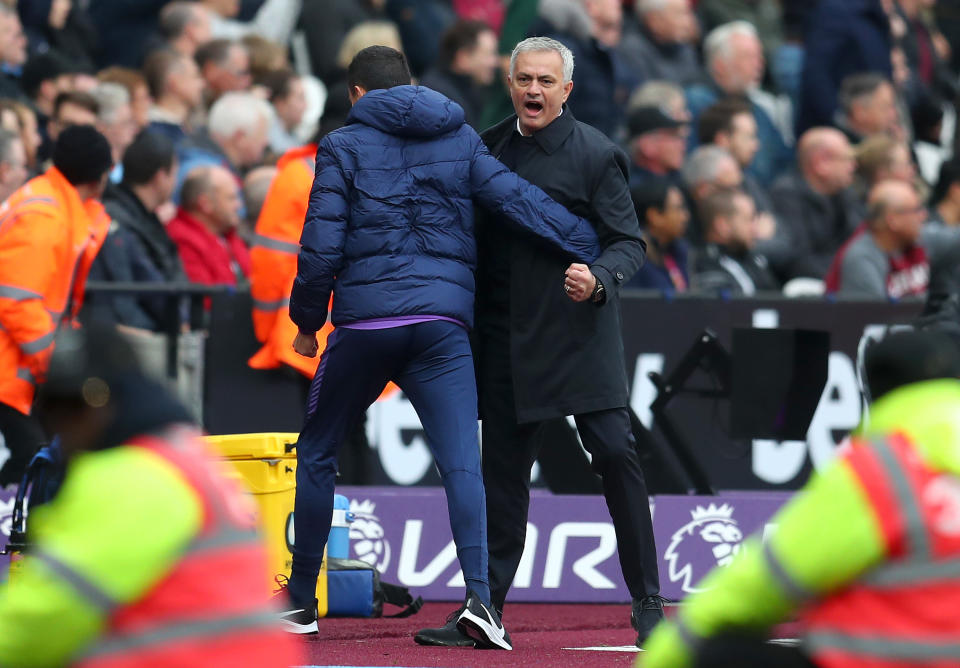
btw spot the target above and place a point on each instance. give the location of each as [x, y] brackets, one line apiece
[325, 23]
[719, 270]
[651, 60]
[11, 88]
[816, 226]
[461, 89]
[77, 40]
[125, 28]
[843, 37]
[421, 22]
[582, 368]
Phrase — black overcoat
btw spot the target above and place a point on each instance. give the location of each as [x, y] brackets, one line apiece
[566, 357]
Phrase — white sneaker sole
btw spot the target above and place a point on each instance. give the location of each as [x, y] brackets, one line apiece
[299, 629]
[480, 630]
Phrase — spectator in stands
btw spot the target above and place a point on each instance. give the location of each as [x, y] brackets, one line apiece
[71, 107]
[708, 169]
[137, 247]
[930, 145]
[419, 23]
[13, 53]
[44, 77]
[843, 37]
[466, 66]
[225, 67]
[177, 90]
[868, 106]
[236, 136]
[729, 263]
[136, 85]
[657, 146]
[946, 195]
[289, 102]
[883, 158]
[185, 27]
[664, 94]
[275, 20]
[815, 204]
[205, 228]
[266, 57]
[25, 126]
[325, 24]
[925, 48]
[115, 122]
[362, 35]
[663, 216]
[13, 163]
[44, 260]
[734, 58]
[125, 29]
[766, 17]
[662, 49]
[59, 24]
[895, 255]
[256, 184]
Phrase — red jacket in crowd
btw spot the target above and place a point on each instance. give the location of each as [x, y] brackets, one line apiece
[208, 258]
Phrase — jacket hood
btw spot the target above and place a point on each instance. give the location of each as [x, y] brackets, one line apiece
[407, 111]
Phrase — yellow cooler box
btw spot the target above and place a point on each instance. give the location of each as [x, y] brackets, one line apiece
[267, 465]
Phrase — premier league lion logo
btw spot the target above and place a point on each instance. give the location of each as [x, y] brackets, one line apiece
[366, 535]
[6, 519]
[711, 539]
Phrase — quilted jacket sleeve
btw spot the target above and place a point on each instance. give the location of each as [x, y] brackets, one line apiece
[500, 191]
[321, 243]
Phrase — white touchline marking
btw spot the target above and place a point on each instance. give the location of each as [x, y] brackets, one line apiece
[625, 648]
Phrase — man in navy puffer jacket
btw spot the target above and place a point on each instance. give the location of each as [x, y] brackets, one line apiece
[390, 231]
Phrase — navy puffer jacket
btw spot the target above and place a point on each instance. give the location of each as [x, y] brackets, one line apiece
[390, 226]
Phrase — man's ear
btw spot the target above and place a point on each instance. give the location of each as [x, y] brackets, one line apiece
[567, 88]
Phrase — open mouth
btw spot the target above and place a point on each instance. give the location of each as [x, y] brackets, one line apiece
[533, 107]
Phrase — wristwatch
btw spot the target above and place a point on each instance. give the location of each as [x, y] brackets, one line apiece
[599, 293]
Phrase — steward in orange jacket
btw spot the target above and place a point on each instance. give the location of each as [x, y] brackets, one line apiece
[50, 232]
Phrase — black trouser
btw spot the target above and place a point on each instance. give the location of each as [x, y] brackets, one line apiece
[509, 450]
[23, 436]
[749, 652]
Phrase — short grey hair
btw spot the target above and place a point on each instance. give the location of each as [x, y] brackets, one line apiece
[717, 43]
[656, 93]
[238, 111]
[110, 98]
[544, 44]
[703, 165]
[644, 7]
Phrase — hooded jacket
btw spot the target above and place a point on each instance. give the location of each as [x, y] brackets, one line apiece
[390, 225]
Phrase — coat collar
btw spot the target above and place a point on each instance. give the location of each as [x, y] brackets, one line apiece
[549, 138]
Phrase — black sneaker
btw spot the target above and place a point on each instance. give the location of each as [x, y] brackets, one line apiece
[448, 635]
[646, 614]
[482, 623]
[301, 620]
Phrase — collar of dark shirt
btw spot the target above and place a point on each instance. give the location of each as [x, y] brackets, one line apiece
[552, 136]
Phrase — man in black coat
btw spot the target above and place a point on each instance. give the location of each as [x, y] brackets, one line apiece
[548, 339]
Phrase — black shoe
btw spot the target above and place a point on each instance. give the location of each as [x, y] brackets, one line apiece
[483, 624]
[646, 614]
[298, 619]
[448, 635]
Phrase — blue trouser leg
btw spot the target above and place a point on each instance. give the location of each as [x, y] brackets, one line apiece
[440, 383]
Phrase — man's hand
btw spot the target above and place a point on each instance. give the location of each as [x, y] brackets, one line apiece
[306, 344]
[579, 282]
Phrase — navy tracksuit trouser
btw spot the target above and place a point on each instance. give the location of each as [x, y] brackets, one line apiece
[432, 363]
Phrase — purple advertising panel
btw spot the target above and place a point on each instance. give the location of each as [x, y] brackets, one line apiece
[6, 519]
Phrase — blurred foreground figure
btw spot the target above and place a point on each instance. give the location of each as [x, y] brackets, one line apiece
[147, 555]
[865, 555]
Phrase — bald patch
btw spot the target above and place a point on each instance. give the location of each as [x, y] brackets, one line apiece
[817, 140]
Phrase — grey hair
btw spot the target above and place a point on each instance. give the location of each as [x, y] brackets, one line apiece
[7, 141]
[544, 44]
[238, 111]
[110, 97]
[703, 165]
[644, 7]
[717, 43]
[656, 93]
[856, 87]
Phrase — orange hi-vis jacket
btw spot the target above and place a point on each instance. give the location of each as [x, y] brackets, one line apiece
[48, 240]
[213, 607]
[273, 263]
[902, 613]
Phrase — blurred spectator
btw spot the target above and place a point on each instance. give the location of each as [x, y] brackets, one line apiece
[205, 228]
[602, 82]
[256, 184]
[895, 255]
[59, 24]
[13, 163]
[420, 22]
[816, 204]
[465, 68]
[766, 17]
[657, 146]
[185, 27]
[137, 247]
[664, 94]
[115, 121]
[844, 37]
[26, 127]
[136, 85]
[266, 57]
[868, 106]
[13, 53]
[368, 33]
[236, 137]
[69, 108]
[946, 195]
[661, 48]
[663, 216]
[729, 264]
[926, 49]
[274, 20]
[325, 24]
[177, 89]
[289, 104]
[124, 28]
[708, 169]
[883, 158]
[927, 117]
[224, 66]
[45, 76]
[734, 58]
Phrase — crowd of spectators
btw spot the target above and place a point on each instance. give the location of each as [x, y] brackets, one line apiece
[769, 140]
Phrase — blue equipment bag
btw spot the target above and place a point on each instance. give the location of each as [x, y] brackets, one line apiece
[354, 589]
